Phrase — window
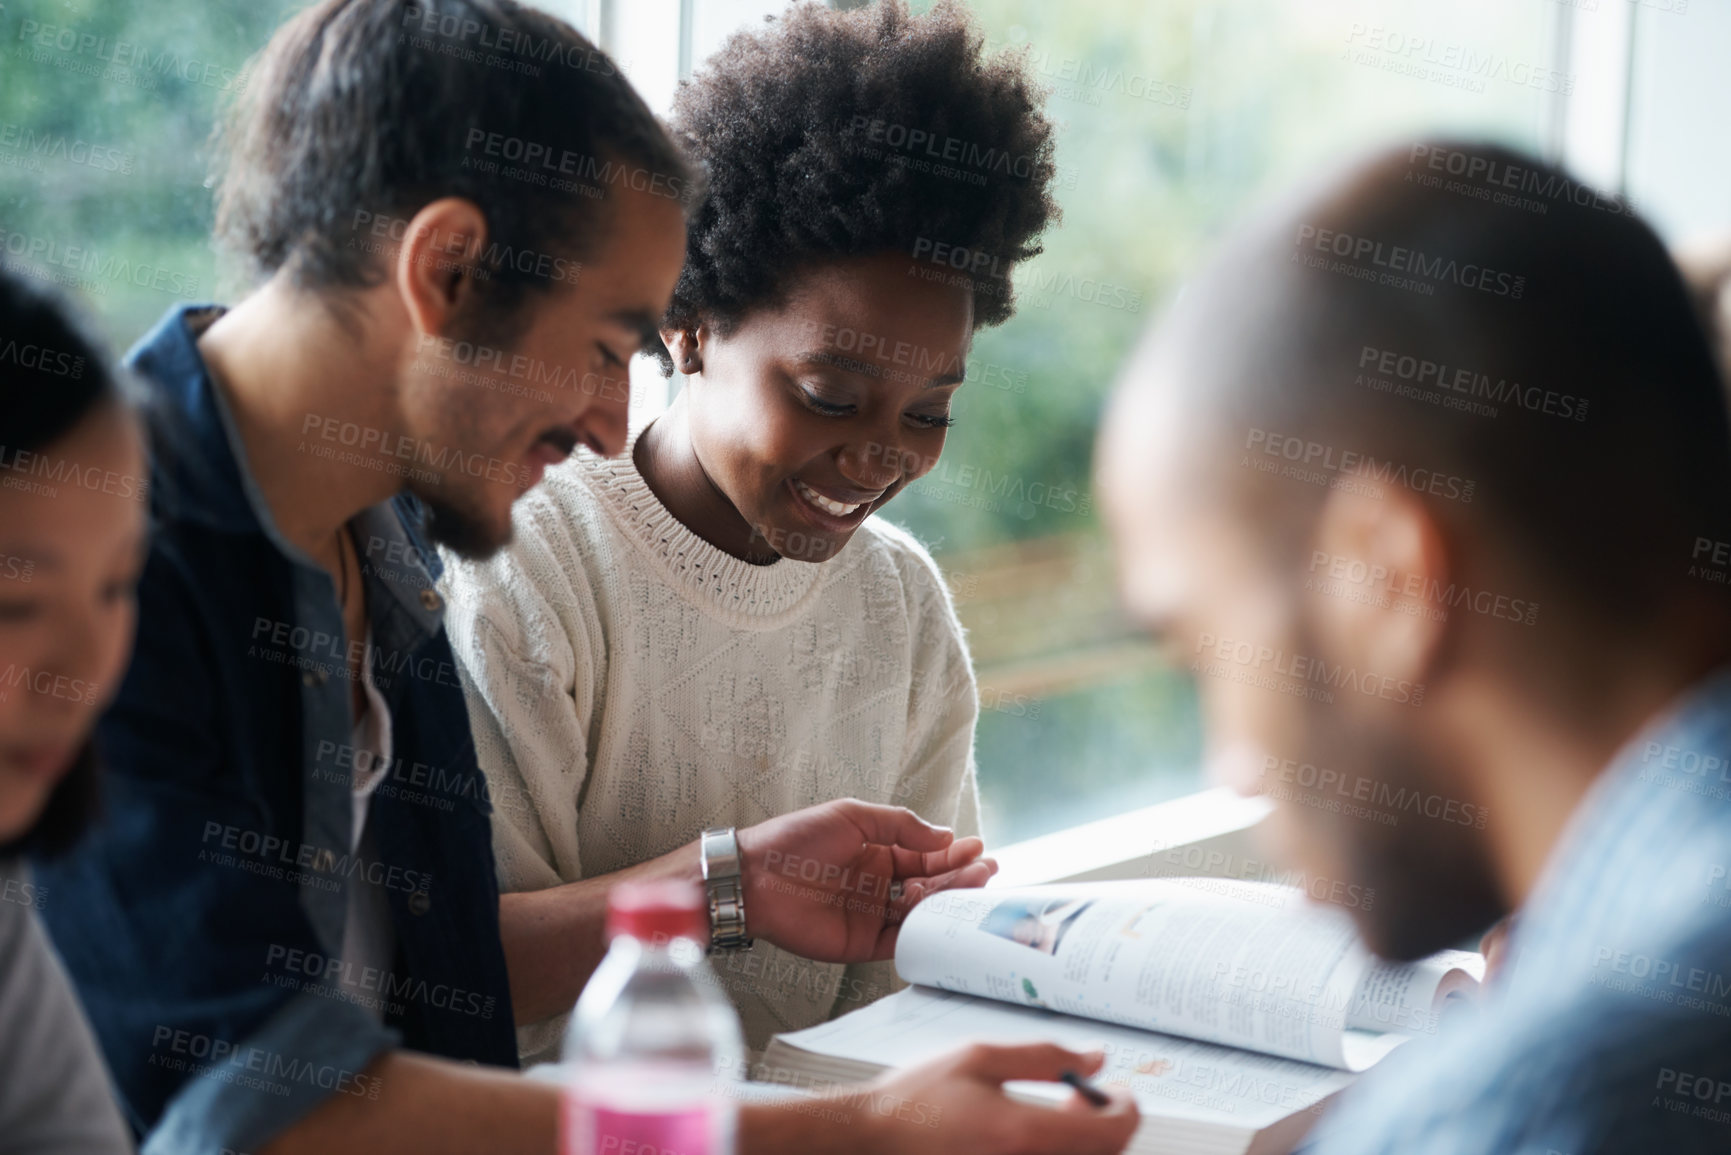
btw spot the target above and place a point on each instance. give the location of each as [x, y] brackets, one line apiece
[1176, 116]
[104, 147]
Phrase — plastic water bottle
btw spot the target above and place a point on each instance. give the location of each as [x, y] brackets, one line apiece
[654, 1045]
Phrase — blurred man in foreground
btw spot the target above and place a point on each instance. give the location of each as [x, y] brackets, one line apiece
[1429, 486]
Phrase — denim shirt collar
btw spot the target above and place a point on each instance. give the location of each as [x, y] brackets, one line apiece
[213, 483]
[206, 481]
[1693, 719]
[1611, 858]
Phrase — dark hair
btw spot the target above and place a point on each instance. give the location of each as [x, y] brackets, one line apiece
[1608, 455]
[364, 111]
[52, 376]
[833, 134]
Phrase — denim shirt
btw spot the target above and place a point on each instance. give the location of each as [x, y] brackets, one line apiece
[1609, 1029]
[202, 921]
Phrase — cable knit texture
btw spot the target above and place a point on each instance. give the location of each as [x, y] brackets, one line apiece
[630, 685]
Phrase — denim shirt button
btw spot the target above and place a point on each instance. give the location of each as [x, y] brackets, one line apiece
[313, 678]
[420, 902]
[430, 600]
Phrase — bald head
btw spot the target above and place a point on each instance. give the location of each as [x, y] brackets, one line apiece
[1474, 326]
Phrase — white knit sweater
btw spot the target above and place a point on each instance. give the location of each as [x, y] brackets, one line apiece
[630, 685]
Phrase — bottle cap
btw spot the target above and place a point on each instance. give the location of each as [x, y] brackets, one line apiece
[658, 911]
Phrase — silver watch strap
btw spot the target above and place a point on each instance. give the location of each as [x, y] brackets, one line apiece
[719, 853]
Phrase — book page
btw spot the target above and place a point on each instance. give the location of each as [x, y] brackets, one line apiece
[1414, 997]
[1170, 1077]
[1246, 965]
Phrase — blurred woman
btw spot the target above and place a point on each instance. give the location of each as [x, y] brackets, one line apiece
[72, 534]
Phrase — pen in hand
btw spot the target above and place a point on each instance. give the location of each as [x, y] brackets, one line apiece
[1084, 1088]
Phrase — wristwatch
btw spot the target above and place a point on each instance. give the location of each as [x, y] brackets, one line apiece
[719, 851]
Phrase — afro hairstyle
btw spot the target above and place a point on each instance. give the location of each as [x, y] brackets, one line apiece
[832, 134]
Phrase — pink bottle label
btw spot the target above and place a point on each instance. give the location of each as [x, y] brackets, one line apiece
[593, 1129]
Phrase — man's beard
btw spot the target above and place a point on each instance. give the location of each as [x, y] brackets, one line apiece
[1433, 877]
[463, 530]
[1428, 902]
[1434, 881]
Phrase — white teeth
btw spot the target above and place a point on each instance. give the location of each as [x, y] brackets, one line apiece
[833, 508]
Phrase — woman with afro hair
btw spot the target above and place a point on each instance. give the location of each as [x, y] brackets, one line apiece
[714, 629]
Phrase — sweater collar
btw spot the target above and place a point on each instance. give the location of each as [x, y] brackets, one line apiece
[691, 563]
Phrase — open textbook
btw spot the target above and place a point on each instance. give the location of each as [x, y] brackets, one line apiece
[1231, 1010]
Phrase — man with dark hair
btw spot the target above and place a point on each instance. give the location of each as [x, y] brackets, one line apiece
[295, 875]
[1431, 491]
[465, 222]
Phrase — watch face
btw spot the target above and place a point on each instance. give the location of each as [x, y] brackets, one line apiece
[719, 851]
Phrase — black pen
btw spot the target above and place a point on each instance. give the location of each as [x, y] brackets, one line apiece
[1084, 1088]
